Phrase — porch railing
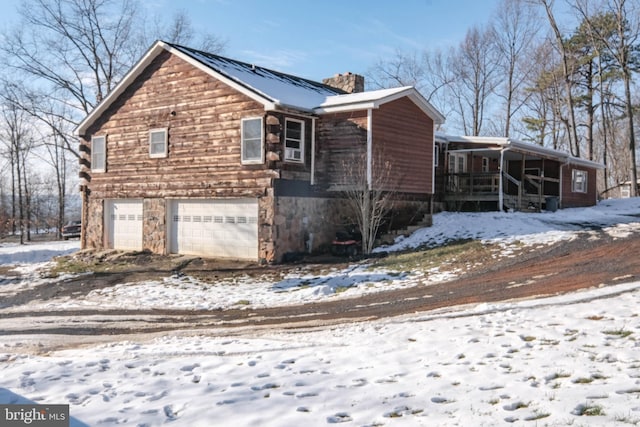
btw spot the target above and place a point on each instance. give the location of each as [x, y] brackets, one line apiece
[485, 186]
[476, 183]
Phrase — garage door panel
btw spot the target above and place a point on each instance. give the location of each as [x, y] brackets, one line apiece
[215, 228]
[124, 224]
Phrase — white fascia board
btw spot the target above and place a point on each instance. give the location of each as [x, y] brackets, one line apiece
[346, 107]
[142, 64]
[426, 107]
[478, 139]
[409, 92]
[586, 163]
[134, 72]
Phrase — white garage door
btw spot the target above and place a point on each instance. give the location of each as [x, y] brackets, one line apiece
[124, 224]
[215, 228]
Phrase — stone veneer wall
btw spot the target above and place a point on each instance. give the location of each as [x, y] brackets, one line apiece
[93, 225]
[348, 82]
[266, 243]
[154, 225]
[297, 219]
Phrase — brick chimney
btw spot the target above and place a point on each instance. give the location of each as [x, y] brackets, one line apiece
[347, 82]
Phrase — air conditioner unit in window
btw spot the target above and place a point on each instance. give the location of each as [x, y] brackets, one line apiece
[292, 154]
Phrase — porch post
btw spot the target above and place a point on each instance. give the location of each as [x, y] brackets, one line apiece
[522, 181]
[369, 148]
[501, 184]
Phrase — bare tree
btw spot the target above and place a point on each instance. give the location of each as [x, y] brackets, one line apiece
[567, 71]
[475, 78]
[65, 56]
[514, 29]
[180, 30]
[17, 139]
[623, 46]
[369, 188]
[544, 103]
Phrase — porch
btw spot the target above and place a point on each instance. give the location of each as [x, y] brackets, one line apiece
[473, 191]
[492, 179]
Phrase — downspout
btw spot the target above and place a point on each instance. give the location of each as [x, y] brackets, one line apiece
[313, 151]
[433, 175]
[561, 189]
[369, 148]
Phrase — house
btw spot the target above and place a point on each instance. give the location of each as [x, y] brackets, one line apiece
[194, 153]
[486, 173]
[620, 191]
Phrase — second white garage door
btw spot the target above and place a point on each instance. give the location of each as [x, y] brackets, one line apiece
[215, 228]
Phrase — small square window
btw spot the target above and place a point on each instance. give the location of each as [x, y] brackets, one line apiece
[98, 154]
[252, 141]
[294, 141]
[158, 143]
[579, 181]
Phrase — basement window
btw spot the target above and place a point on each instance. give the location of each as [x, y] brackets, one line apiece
[99, 154]
[579, 181]
[252, 141]
[158, 146]
[294, 141]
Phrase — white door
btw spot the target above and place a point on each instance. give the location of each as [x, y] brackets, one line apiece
[124, 224]
[457, 166]
[215, 228]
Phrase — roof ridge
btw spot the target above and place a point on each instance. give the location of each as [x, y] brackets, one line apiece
[292, 77]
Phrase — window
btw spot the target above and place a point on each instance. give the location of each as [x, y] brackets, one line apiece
[294, 140]
[98, 154]
[457, 163]
[485, 164]
[579, 181]
[252, 151]
[158, 143]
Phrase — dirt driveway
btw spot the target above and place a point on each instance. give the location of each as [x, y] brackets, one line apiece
[561, 268]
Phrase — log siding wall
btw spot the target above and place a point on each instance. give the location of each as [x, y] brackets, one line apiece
[202, 116]
[203, 119]
[341, 137]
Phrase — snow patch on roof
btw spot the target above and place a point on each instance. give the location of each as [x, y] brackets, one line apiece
[280, 88]
[355, 98]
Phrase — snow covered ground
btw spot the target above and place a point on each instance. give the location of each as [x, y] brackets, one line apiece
[567, 360]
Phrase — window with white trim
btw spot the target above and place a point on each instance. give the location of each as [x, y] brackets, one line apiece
[579, 181]
[252, 141]
[294, 140]
[158, 146]
[99, 154]
[485, 164]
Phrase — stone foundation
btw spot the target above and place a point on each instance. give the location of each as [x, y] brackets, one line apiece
[306, 224]
[154, 225]
[93, 225]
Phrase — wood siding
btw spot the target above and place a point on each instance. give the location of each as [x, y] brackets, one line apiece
[403, 134]
[571, 199]
[202, 116]
[340, 137]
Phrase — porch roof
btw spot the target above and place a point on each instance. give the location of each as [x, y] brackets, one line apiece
[513, 149]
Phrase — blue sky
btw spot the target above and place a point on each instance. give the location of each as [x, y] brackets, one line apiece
[317, 39]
